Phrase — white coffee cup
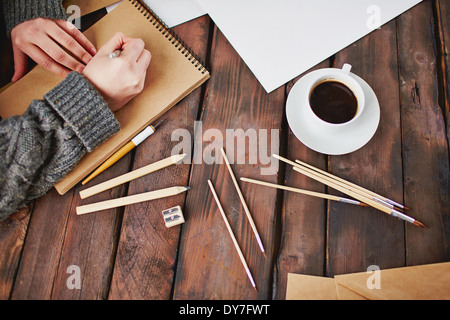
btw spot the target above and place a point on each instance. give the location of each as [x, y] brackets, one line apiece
[342, 76]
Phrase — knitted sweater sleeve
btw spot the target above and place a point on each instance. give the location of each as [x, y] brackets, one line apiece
[17, 11]
[42, 146]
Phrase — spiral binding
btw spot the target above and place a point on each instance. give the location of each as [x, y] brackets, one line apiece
[170, 35]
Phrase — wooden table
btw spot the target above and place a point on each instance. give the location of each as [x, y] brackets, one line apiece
[128, 253]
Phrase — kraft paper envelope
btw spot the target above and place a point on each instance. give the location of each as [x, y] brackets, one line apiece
[173, 73]
[304, 287]
[426, 282]
[88, 6]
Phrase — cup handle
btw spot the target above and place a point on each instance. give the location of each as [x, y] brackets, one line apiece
[346, 68]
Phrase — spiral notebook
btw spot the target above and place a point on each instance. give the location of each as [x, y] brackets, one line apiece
[174, 72]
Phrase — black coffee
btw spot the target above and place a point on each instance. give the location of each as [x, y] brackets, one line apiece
[333, 102]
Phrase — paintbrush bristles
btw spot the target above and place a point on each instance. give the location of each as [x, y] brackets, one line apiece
[420, 224]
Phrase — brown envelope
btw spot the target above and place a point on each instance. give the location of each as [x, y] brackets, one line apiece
[88, 6]
[303, 287]
[426, 282]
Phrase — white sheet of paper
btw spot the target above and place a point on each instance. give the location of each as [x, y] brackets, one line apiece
[279, 40]
[172, 12]
[175, 12]
[113, 6]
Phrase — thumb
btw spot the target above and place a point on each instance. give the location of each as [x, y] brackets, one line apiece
[20, 64]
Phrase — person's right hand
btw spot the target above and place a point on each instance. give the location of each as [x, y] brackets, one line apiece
[120, 79]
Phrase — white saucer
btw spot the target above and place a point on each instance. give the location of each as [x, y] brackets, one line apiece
[340, 142]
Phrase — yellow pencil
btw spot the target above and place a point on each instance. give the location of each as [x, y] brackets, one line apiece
[123, 151]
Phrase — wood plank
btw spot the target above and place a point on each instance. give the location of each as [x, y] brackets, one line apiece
[303, 218]
[147, 252]
[42, 249]
[443, 12]
[57, 238]
[12, 238]
[209, 266]
[425, 144]
[361, 237]
[90, 242]
[442, 9]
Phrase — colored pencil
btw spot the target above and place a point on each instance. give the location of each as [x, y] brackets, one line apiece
[244, 204]
[230, 231]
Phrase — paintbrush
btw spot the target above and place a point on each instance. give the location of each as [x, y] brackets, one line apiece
[124, 150]
[354, 192]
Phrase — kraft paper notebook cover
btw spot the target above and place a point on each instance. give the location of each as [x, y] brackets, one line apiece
[174, 72]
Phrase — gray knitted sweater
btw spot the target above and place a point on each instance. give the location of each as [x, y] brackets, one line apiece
[42, 146]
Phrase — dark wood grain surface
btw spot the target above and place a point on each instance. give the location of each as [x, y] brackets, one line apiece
[128, 253]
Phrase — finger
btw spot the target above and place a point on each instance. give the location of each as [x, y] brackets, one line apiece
[115, 43]
[76, 34]
[20, 64]
[133, 49]
[69, 42]
[41, 58]
[144, 77]
[144, 60]
[60, 56]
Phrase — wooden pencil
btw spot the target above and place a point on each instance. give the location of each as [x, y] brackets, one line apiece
[230, 231]
[131, 175]
[244, 204]
[138, 198]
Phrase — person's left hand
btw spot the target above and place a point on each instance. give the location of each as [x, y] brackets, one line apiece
[56, 45]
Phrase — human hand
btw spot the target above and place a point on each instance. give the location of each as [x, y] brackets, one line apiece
[51, 44]
[120, 79]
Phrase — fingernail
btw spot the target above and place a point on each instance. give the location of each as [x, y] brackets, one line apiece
[93, 50]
